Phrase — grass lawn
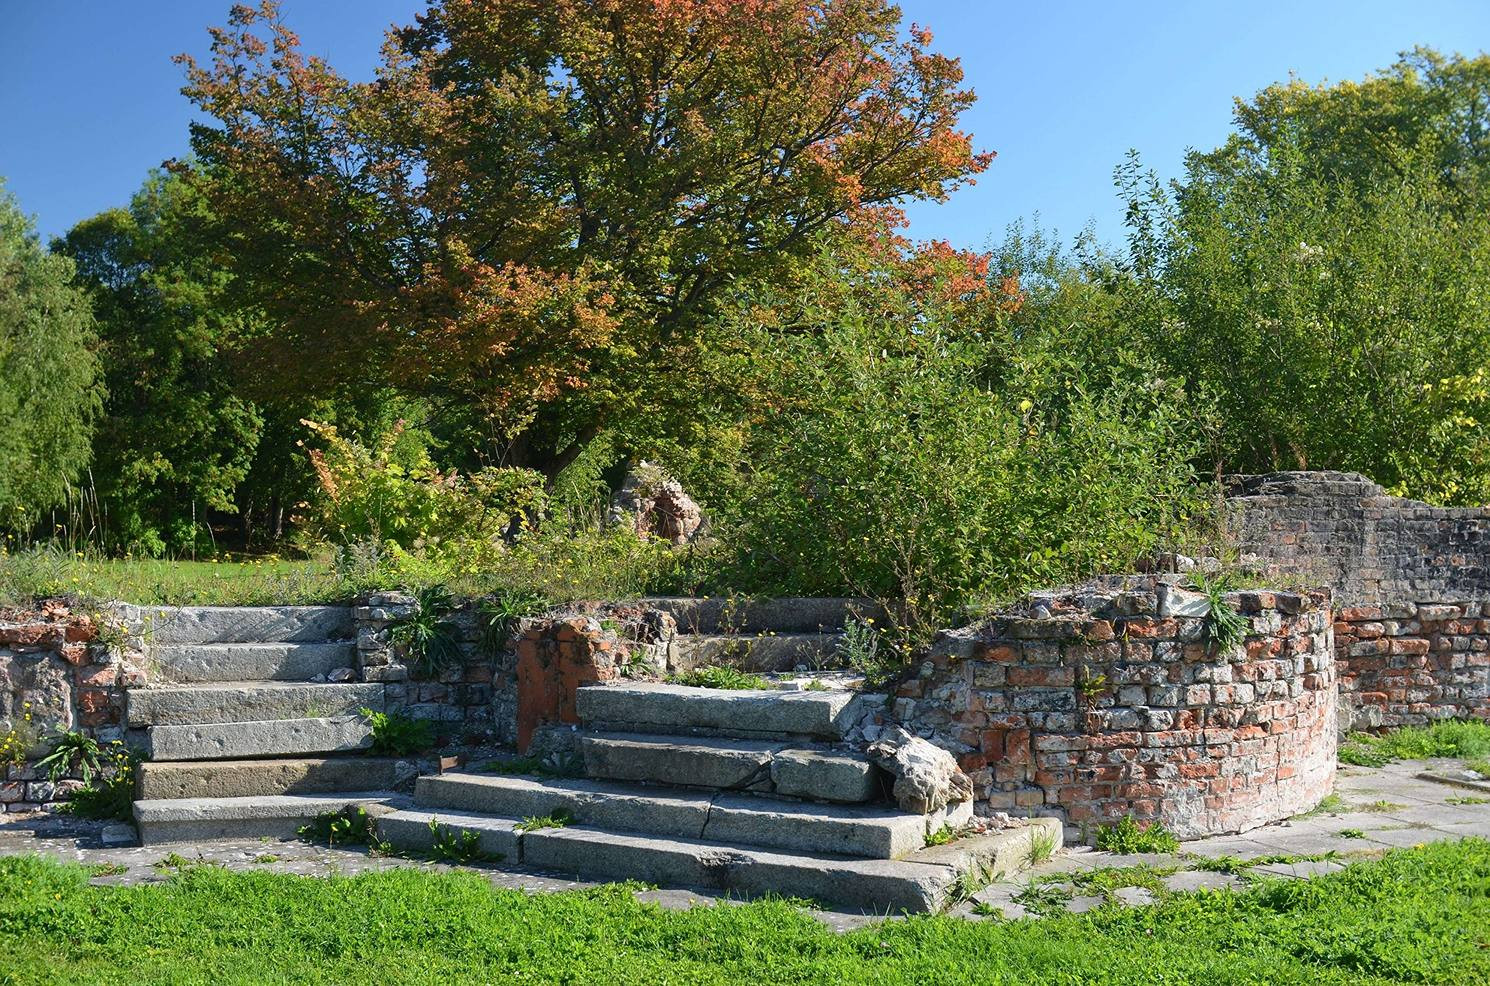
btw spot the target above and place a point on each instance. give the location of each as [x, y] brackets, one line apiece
[1454, 738]
[1419, 916]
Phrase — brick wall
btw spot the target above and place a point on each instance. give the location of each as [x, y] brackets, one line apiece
[1408, 663]
[1105, 701]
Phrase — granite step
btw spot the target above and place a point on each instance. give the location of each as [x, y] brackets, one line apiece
[217, 702]
[257, 817]
[655, 707]
[787, 614]
[764, 652]
[264, 738]
[224, 662]
[157, 781]
[247, 624]
[761, 766]
[856, 830]
[927, 880]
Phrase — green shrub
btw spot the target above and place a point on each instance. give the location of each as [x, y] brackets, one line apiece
[351, 826]
[431, 640]
[1128, 837]
[397, 735]
[111, 793]
[714, 676]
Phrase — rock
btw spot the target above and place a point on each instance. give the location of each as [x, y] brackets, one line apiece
[926, 776]
[118, 835]
[342, 675]
[657, 506]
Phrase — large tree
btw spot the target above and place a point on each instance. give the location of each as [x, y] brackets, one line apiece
[48, 373]
[533, 210]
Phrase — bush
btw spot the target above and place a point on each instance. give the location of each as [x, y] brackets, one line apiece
[395, 735]
[1128, 837]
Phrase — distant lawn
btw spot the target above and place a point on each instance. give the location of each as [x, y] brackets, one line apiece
[158, 582]
[1418, 916]
[1467, 740]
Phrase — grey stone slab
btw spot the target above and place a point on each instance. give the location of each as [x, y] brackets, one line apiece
[248, 662]
[1301, 870]
[207, 819]
[1134, 896]
[248, 778]
[1188, 881]
[270, 738]
[879, 886]
[689, 762]
[246, 624]
[665, 708]
[994, 855]
[618, 807]
[247, 702]
[410, 830]
[822, 776]
[763, 652]
[875, 833]
[1080, 905]
[787, 614]
[114, 836]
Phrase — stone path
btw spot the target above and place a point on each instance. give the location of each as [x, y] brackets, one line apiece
[1376, 809]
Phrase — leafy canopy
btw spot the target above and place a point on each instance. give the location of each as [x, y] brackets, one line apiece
[533, 209]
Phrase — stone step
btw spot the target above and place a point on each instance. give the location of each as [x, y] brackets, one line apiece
[784, 615]
[924, 881]
[764, 652]
[265, 738]
[219, 662]
[654, 707]
[263, 816]
[762, 766]
[216, 702]
[871, 832]
[250, 778]
[247, 624]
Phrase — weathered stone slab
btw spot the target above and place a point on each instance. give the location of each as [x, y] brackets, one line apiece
[269, 738]
[249, 778]
[612, 806]
[249, 662]
[765, 652]
[664, 708]
[874, 833]
[784, 615]
[249, 701]
[410, 830]
[205, 819]
[246, 624]
[693, 762]
[820, 776]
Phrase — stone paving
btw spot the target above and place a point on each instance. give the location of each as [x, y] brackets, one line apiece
[1374, 810]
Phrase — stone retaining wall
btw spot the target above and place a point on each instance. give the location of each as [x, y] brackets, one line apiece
[56, 673]
[1105, 701]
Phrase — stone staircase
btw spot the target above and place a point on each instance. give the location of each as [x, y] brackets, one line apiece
[760, 635]
[737, 791]
[251, 723]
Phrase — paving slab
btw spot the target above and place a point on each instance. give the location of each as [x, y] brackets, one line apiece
[416, 831]
[269, 738]
[248, 778]
[1301, 870]
[1188, 881]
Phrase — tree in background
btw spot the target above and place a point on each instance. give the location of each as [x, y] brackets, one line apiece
[49, 393]
[177, 437]
[1321, 278]
[531, 214]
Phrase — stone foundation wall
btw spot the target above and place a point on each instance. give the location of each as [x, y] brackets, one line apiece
[1413, 663]
[59, 670]
[1105, 701]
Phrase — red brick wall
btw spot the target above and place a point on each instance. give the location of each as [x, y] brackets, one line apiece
[1164, 728]
[1412, 663]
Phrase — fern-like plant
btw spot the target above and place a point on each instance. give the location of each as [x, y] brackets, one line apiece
[427, 635]
[1225, 628]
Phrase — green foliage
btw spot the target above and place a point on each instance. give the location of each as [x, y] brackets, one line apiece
[431, 640]
[49, 373]
[206, 924]
[351, 826]
[73, 752]
[457, 846]
[1458, 739]
[557, 819]
[717, 676]
[111, 793]
[1225, 628]
[19, 738]
[396, 735]
[862, 648]
[497, 617]
[1127, 837]
[1043, 844]
[941, 836]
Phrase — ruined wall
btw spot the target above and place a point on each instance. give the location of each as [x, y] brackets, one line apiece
[1105, 701]
[1412, 583]
[59, 670]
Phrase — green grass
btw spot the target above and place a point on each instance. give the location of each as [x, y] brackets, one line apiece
[1455, 738]
[1127, 837]
[712, 676]
[1415, 916]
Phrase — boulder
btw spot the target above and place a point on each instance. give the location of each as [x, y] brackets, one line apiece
[927, 777]
[657, 506]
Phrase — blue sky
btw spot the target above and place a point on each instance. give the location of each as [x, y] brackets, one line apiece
[89, 98]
